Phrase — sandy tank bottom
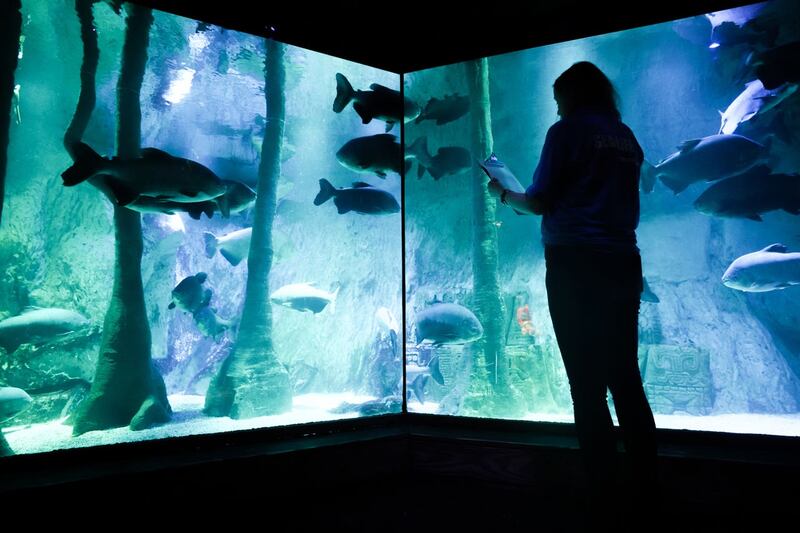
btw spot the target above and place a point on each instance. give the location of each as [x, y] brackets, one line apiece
[187, 419]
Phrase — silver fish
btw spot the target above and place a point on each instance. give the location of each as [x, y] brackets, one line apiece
[233, 246]
[304, 297]
[12, 402]
[769, 269]
[706, 159]
[447, 323]
[37, 326]
[155, 174]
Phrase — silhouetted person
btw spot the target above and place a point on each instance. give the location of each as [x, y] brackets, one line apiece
[586, 187]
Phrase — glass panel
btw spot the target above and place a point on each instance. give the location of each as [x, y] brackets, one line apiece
[230, 179]
[718, 325]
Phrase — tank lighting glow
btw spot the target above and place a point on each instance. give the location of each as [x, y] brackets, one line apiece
[175, 222]
[180, 86]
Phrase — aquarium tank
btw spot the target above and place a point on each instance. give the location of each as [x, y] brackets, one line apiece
[719, 231]
[201, 231]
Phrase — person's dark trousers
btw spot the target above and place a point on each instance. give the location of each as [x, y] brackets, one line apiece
[593, 297]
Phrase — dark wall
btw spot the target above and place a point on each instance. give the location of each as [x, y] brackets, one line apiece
[411, 35]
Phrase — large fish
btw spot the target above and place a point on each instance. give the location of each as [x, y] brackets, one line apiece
[304, 297]
[450, 108]
[739, 25]
[754, 99]
[37, 326]
[189, 295]
[237, 197]
[769, 269]
[12, 402]
[362, 198]
[379, 102]
[447, 323]
[497, 170]
[707, 159]
[378, 154]
[778, 65]
[448, 161]
[156, 174]
[233, 246]
[751, 194]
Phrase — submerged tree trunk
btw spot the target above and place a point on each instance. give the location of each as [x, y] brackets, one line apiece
[127, 390]
[489, 355]
[251, 381]
[88, 94]
[10, 31]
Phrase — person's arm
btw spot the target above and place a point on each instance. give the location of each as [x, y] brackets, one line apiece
[517, 200]
[551, 163]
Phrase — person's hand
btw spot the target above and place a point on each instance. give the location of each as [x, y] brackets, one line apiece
[495, 188]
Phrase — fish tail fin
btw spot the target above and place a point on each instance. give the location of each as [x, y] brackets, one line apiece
[344, 93]
[87, 164]
[419, 149]
[722, 120]
[326, 190]
[647, 176]
[211, 243]
[232, 258]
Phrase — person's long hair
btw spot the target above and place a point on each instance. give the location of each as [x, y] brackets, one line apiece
[584, 86]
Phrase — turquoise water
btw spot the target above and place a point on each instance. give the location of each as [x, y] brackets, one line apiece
[203, 99]
[321, 338]
[712, 356]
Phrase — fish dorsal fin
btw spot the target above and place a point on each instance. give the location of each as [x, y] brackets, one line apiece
[685, 146]
[378, 88]
[201, 277]
[31, 308]
[360, 184]
[777, 248]
[155, 153]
